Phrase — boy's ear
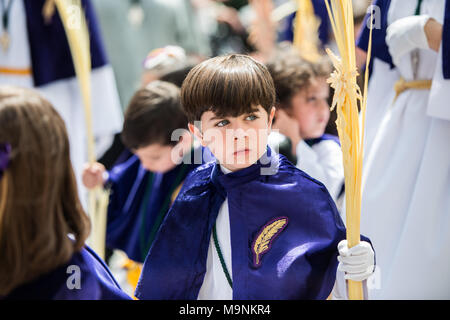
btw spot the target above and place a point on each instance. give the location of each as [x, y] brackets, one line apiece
[271, 116]
[186, 138]
[196, 132]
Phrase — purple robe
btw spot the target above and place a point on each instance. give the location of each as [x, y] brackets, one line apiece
[301, 259]
[95, 282]
[51, 59]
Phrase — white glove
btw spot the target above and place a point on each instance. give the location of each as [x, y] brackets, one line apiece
[357, 262]
[405, 35]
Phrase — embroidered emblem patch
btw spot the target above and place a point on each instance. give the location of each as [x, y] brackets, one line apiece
[265, 237]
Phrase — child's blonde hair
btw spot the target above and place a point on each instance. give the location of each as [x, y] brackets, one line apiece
[39, 204]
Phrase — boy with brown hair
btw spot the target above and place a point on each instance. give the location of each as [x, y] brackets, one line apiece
[249, 225]
[303, 114]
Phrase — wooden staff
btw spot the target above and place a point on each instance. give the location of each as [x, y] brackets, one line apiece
[346, 98]
[76, 29]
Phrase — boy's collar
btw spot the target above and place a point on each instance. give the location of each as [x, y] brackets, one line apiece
[225, 170]
[227, 181]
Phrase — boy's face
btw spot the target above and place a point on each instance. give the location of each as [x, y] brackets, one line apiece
[156, 157]
[311, 110]
[236, 142]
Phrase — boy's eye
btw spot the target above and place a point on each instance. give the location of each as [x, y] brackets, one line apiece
[251, 117]
[222, 123]
[311, 99]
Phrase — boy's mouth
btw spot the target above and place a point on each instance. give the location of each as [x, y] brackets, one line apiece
[241, 152]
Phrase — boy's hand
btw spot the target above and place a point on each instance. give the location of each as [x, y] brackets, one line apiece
[433, 31]
[288, 127]
[357, 262]
[93, 175]
[405, 35]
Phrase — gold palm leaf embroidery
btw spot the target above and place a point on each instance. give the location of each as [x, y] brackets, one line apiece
[266, 236]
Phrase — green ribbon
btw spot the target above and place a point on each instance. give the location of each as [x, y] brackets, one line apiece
[222, 260]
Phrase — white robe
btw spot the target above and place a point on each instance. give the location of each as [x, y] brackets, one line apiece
[379, 97]
[406, 181]
[215, 284]
[65, 95]
[323, 161]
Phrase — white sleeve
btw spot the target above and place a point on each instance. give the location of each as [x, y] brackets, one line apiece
[323, 162]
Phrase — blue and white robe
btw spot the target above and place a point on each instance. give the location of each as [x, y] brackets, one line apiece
[39, 57]
[406, 171]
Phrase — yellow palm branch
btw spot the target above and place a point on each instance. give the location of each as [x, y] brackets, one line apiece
[347, 98]
[75, 26]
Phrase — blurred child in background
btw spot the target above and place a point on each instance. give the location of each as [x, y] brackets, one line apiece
[144, 186]
[43, 227]
[302, 116]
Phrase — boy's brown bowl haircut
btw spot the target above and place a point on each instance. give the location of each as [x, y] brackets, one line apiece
[229, 86]
[153, 114]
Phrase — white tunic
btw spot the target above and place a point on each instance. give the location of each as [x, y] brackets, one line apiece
[323, 161]
[215, 285]
[379, 97]
[406, 182]
[65, 95]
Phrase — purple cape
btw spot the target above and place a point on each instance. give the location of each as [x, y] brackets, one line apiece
[379, 47]
[301, 260]
[320, 11]
[138, 203]
[50, 53]
[95, 282]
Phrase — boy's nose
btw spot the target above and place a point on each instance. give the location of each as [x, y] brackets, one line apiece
[324, 106]
[239, 133]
